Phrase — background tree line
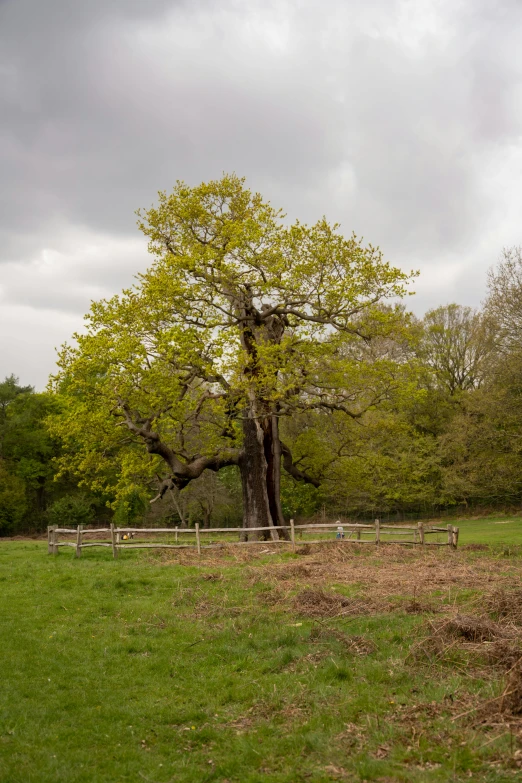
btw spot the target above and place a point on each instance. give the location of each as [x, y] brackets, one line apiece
[457, 441]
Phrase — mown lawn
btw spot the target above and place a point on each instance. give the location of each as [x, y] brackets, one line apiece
[148, 669]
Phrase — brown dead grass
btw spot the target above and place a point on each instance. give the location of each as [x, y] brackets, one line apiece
[471, 629]
[286, 710]
[485, 644]
[391, 570]
[512, 696]
[497, 644]
[388, 578]
[352, 644]
[483, 640]
[506, 604]
[319, 603]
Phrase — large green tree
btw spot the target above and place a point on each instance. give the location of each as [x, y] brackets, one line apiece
[241, 320]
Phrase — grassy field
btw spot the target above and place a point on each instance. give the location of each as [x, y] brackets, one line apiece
[244, 666]
[490, 530]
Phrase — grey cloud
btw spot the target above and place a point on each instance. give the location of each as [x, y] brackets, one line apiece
[387, 115]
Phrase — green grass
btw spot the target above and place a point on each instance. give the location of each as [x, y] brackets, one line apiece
[132, 670]
[490, 530]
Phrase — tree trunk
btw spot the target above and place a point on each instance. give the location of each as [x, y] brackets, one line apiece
[253, 467]
[272, 446]
[206, 516]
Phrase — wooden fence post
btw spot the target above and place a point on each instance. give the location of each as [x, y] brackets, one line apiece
[450, 535]
[49, 540]
[113, 541]
[420, 528]
[292, 534]
[79, 540]
[454, 537]
[358, 535]
[198, 541]
[377, 531]
[176, 535]
[55, 540]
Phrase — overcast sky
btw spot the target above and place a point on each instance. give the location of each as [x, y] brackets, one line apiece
[401, 119]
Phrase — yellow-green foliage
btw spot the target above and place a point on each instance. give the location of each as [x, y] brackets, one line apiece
[237, 309]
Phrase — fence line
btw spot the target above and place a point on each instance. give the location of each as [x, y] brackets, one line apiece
[417, 532]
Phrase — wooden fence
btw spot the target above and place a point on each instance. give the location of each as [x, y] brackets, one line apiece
[344, 533]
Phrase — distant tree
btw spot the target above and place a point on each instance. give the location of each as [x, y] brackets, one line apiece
[13, 501]
[29, 450]
[481, 450]
[456, 344]
[504, 301]
[10, 389]
[72, 510]
[28, 484]
[240, 322]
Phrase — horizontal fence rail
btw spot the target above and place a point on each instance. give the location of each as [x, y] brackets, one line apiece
[123, 537]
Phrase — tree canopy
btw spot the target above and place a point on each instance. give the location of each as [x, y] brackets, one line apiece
[241, 320]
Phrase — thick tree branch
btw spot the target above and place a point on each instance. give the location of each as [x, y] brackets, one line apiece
[294, 471]
[193, 470]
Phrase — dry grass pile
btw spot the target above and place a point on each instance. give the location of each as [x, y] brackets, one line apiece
[414, 606]
[470, 629]
[462, 630]
[512, 697]
[505, 605]
[317, 603]
[298, 572]
[479, 638]
[504, 709]
[504, 653]
[218, 557]
[475, 547]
